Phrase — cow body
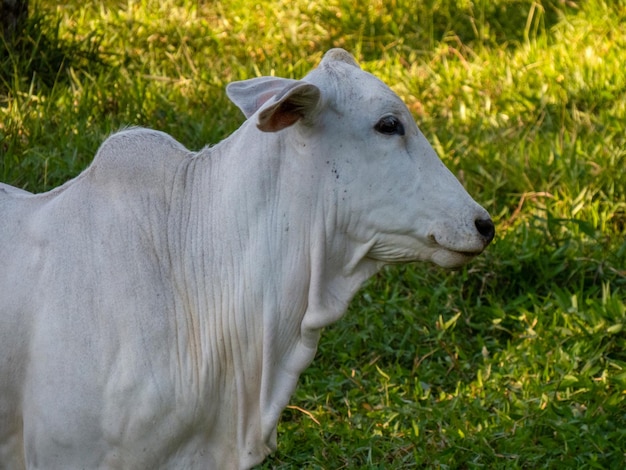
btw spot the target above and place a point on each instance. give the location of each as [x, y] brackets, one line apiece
[157, 310]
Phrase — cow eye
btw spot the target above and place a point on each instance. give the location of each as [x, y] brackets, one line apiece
[389, 125]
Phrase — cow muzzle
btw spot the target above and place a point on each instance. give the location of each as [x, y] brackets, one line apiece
[486, 229]
[453, 248]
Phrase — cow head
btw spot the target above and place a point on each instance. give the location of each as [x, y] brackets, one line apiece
[392, 194]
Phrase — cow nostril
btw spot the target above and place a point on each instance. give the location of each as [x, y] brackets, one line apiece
[486, 228]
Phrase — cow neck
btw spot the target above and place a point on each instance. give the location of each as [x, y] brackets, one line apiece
[264, 267]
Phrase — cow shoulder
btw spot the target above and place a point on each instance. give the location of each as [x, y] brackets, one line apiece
[137, 158]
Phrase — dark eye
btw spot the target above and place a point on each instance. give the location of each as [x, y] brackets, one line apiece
[389, 125]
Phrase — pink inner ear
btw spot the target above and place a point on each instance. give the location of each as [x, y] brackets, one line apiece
[278, 117]
[291, 105]
[280, 121]
[262, 98]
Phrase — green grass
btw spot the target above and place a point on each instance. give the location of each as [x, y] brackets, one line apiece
[516, 361]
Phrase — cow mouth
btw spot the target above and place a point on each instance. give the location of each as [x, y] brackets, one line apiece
[436, 245]
[403, 248]
[468, 254]
[449, 258]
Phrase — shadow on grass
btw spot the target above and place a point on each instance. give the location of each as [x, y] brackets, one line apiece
[38, 58]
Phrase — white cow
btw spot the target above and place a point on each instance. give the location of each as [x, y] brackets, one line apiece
[157, 310]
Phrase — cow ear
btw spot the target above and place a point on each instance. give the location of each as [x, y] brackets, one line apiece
[284, 101]
[296, 101]
[251, 95]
